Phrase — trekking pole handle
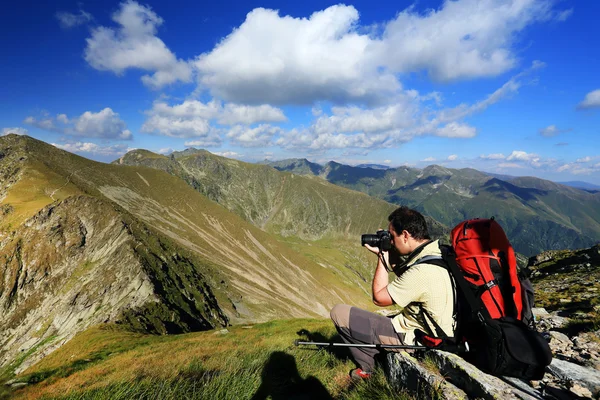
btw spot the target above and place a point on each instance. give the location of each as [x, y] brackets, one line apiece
[371, 345]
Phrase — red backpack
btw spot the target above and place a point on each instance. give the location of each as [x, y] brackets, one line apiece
[491, 304]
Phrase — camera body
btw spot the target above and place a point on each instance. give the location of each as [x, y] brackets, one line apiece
[382, 239]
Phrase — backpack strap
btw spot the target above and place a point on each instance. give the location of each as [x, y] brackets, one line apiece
[480, 312]
[437, 331]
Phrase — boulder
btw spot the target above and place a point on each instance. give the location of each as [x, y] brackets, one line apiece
[405, 372]
[582, 376]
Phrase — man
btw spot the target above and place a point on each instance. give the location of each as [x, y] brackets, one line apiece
[420, 286]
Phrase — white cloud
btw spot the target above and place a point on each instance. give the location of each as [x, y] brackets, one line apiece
[16, 131]
[494, 156]
[192, 118]
[531, 159]
[428, 159]
[511, 165]
[228, 154]
[583, 160]
[134, 45]
[564, 15]
[104, 124]
[260, 136]
[166, 150]
[241, 114]
[462, 39]
[69, 20]
[329, 56]
[552, 130]
[283, 60]
[452, 157]
[591, 100]
[212, 140]
[456, 130]
[93, 148]
[178, 127]
[511, 87]
[518, 155]
[577, 169]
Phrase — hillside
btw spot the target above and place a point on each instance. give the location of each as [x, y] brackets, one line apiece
[255, 361]
[287, 204]
[84, 242]
[537, 214]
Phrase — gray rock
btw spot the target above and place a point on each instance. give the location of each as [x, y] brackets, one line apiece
[585, 377]
[405, 372]
[478, 384]
[561, 338]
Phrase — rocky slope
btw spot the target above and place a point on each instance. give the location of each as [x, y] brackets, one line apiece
[83, 242]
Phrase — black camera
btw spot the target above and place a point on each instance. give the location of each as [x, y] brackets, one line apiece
[382, 239]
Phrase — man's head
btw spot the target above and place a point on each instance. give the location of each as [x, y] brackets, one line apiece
[408, 229]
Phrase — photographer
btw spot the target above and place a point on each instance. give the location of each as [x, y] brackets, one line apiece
[423, 292]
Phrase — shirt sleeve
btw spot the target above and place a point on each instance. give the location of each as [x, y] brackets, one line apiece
[408, 287]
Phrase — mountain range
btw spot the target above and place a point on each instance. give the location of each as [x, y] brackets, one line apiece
[83, 242]
[194, 241]
[537, 214]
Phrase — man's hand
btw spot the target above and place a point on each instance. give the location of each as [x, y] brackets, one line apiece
[374, 250]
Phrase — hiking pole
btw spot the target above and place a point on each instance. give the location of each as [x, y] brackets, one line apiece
[373, 345]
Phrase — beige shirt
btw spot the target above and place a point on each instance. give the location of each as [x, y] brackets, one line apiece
[423, 285]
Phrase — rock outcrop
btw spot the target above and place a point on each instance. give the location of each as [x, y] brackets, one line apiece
[573, 374]
[80, 262]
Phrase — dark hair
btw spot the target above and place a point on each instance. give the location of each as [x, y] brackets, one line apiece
[406, 219]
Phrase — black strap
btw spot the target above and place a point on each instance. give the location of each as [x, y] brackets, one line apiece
[480, 312]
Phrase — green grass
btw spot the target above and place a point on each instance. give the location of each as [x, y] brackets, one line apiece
[246, 362]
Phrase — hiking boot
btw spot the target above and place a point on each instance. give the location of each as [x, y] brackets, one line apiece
[358, 375]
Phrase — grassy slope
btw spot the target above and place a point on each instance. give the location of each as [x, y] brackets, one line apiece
[247, 256]
[245, 361]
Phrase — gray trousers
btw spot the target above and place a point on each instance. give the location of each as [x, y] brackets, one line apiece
[359, 326]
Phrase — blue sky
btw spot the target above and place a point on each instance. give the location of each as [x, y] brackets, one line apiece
[502, 86]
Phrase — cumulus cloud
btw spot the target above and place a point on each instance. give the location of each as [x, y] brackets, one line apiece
[461, 40]
[552, 130]
[591, 100]
[134, 44]
[166, 150]
[193, 118]
[93, 148]
[233, 114]
[69, 20]
[494, 156]
[530, 159]
[286, 60]
[452, 157]
[104, 124]
[428, 159]
[16, 131]
[519, 155]
[328, 56]
[260, 136]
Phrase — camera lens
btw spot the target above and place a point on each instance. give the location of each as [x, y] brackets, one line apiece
[371, 240]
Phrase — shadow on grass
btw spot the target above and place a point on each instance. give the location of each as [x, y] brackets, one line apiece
[341, 353]
[281, 380]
